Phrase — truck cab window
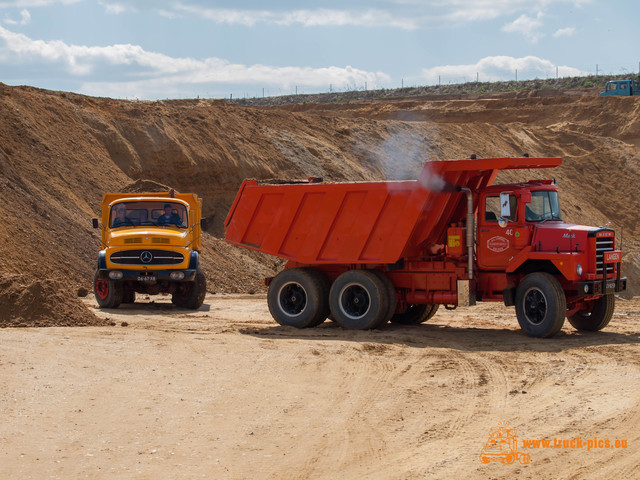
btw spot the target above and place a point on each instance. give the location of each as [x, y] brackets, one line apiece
[492, 209]
[544, 206]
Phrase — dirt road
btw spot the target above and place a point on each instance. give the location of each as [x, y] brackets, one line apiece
[224, 392]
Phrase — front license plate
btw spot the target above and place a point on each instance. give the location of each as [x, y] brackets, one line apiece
[611, 285]
[147, 278]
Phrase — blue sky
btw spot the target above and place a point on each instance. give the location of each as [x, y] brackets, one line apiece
[156, 49]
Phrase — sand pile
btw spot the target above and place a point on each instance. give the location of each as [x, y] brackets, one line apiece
[26, 301]
[59, 152]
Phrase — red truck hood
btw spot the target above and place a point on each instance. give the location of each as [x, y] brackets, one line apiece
[555, 235]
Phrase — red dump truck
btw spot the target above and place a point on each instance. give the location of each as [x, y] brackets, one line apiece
[371, 252]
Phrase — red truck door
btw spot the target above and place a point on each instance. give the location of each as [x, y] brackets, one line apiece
[498, 245]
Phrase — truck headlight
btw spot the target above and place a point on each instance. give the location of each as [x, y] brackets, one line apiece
[586, 289]
[176, 275]
[579, 270]
[115, 275]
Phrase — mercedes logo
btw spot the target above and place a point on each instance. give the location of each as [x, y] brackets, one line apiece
[146, 257]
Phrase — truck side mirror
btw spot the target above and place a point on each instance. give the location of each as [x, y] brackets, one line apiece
[94, 222]
[503, 222]
[505, 205]
[203, 224]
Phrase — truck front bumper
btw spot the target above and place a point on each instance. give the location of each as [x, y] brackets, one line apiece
[602, 287]
[148, 276]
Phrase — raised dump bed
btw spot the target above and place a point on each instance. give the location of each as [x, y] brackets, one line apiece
[364, 222]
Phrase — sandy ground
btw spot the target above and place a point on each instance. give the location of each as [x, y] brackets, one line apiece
[224, 392]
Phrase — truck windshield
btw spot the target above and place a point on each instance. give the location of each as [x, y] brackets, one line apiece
[544, 206]
[148, 213]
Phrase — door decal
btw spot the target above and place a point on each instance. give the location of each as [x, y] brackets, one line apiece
[498, 244]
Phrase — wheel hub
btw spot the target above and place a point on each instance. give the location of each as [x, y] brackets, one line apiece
[292, 299]
[535, 306]
[354, 301]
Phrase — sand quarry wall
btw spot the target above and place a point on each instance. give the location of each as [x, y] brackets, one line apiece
[59, 152]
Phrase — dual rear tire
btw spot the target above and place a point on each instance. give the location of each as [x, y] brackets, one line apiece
[358, 299]
[298, 298]
[362, 299]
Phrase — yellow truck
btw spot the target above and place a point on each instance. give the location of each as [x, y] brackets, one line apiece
[150, 244]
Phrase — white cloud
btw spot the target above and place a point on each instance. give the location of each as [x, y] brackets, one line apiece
[115, 8]
[35, 3]
[564, 32]
[139, 68]
[402, 14]
[498, 68]
[527, 26]
[25, 17]
[307, 18]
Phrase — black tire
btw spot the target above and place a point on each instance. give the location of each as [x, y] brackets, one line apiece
[298, 297]
[597, 317]
[191, 294]
[359, 299]
[415, 314]
[325, 286]
[108, 292]
[128, 295]
[392, 297]
[540, 305]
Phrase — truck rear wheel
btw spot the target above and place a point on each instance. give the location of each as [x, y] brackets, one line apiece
[540, 305]
[359, 299]
[299, 297]
[391, 296]
[415, 314]
[595, 318]
[192, 294]
[108, 292]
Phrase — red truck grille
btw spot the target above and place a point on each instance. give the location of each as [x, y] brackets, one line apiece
[603, 244]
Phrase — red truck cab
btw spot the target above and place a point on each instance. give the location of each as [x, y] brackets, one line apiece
[521, 232]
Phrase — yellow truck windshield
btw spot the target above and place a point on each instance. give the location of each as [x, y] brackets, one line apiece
[148, 213]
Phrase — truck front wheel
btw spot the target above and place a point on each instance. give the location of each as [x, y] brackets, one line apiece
[299, 297]
[415, 314]
[192, 294]
[595, 318]
[359, 300]
[540, 305]
[108, 292]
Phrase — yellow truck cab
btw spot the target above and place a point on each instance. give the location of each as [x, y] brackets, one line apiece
[151, 244]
